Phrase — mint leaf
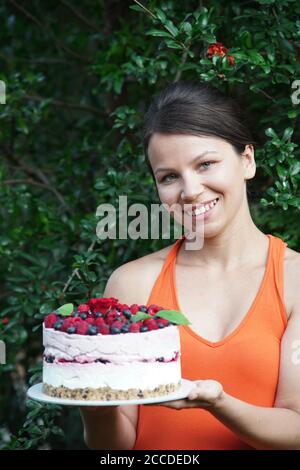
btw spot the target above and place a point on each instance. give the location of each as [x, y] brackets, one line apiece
[173, 316]
[65, 310]
[140, 316]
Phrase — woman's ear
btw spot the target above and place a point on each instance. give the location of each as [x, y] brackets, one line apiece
[249, 163]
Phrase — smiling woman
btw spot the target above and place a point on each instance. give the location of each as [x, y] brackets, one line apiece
[200, 152]
[238, 290]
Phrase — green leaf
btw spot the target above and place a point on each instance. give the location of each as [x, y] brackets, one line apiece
[157, 32]
[173, 316]
[140, 316]
[65, 310]
[271, 133]
[287, 133]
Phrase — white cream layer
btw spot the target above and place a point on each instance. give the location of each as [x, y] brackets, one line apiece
[118, 349]
[140, 375]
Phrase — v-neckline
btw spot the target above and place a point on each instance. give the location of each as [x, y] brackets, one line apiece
[228, 337]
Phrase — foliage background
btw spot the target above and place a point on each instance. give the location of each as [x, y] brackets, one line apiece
[79, 78]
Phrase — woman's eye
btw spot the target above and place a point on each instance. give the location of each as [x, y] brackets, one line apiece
[205, 163]
[166, 180]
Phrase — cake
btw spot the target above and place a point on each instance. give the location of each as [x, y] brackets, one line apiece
[105, 350]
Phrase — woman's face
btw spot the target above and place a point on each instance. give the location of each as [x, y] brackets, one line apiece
[185, 178]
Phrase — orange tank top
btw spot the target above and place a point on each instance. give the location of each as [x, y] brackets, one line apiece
[246, 362]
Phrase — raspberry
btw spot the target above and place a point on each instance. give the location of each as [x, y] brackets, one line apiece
[90, 320]
[82, 327]
[50, 320]
[99, 321]
[67, 323]
[153, 309]
[163, 321]
[151, 324]
[135, 327]
[83, 308]
[134, 308]
[103, 329]
[117, 324]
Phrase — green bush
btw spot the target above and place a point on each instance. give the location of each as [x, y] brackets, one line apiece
[78, 80]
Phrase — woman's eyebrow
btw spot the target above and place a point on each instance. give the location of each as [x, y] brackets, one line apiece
[193, 161]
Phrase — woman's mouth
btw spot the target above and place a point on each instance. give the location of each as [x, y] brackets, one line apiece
[202, 212]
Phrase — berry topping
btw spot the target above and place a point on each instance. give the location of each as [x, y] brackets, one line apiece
[50, 320]
[83, 316]
[143, 308]
[82, 327]
[83, 308]
[71, 330]
[134, 327]
[58, 324]
[127, 313]
[92, 330]
[114, 330]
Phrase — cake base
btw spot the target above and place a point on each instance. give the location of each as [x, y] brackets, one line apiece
[106, 393]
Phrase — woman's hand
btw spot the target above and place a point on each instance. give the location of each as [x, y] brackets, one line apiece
[205, 394]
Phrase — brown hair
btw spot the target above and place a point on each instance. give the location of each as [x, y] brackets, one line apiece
[194, 108]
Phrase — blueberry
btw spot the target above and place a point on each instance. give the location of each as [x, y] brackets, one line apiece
[57, 325]
[75, 313]
[98, 315]
[127, 313]
[143, 328]
[93, 330]
[115, 331]
[118, 319]
[160, 325]
[118, 309]
[143, 309]
[50, 358]
[160, 359]
[83, 315]
[125, 328]
[71, 330]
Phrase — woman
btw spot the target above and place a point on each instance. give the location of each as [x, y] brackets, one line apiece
[238, 291]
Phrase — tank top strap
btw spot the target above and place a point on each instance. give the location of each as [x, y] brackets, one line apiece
[279, 247]
[162, 290]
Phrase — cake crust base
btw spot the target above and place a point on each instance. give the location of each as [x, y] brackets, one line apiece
[106, 393]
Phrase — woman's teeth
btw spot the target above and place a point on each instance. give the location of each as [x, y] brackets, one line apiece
[203, 209]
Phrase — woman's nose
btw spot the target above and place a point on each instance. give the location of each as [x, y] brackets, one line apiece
[191, 190]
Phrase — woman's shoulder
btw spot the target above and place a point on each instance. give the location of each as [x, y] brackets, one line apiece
[132, 281]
